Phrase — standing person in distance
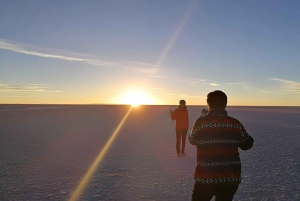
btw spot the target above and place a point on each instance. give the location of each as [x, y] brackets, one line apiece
[181, 116]
[218, 137]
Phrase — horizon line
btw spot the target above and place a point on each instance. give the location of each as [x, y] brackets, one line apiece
[115, 104]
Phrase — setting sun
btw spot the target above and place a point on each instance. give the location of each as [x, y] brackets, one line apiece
[136, 98]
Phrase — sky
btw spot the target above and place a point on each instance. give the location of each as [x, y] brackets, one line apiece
[150, 52]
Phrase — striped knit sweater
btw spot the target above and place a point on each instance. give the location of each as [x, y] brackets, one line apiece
[218, 137]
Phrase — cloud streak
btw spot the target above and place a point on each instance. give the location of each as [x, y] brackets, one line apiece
[40, 52]
[214, 84]
[193, 80]
[180, 95]
[71, 56]
[288, 85]
[140, 67]
[269, 92]
[16, 48]
[244, 85]
[26, 88]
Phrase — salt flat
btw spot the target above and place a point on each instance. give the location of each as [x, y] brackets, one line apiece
[45, 150]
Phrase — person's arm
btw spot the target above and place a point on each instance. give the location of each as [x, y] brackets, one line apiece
[193, 134]
[173, 114]
[188, 121]
[246, 141]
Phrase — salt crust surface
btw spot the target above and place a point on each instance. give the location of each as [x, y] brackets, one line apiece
[45, 150]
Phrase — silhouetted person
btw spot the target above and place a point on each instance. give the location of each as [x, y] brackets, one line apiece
[182, 125]
[218, 137]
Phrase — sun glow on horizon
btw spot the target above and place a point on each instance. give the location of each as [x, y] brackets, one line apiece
[136, 98]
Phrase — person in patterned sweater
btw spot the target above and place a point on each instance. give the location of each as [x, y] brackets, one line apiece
[218, 137]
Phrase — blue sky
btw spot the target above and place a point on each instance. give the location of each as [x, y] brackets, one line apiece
[98, 51]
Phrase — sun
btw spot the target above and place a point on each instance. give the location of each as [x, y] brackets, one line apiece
[136, 98]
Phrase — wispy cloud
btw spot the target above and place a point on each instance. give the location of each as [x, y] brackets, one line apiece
[47, 53]
[159, 76]
[244, 85]
[140, 67]
[193, 80]
[26, 88]
[288, 85]
[214, 84]
[17, 48]
[269, 92]
[37, 51]
[180, 95]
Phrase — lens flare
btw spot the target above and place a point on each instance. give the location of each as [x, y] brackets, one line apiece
[86, 178]
[177, 32]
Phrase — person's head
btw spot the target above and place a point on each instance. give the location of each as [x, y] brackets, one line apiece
[217, 100]
[182, 103]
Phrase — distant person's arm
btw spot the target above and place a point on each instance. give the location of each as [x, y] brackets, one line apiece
[246, 140]
[188, 119]
[173, 114]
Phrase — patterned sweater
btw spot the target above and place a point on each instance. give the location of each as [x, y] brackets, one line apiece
[218, 137]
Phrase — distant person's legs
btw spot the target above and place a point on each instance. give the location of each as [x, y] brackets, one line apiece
[178, 137]
[225, 192]
[183, 138]
[202, 192]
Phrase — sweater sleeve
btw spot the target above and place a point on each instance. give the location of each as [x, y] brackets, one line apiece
[246, 141]
[193, 134]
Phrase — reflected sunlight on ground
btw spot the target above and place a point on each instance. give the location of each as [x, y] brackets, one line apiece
[86, 178]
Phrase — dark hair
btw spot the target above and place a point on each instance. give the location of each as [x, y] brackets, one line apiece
[217, 100]
[182, 101]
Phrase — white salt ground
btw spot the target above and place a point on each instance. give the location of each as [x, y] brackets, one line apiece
[45, 152]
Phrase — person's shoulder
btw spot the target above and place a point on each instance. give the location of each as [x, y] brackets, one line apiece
[233, 120]
[202, 119]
